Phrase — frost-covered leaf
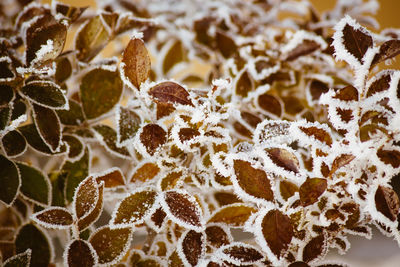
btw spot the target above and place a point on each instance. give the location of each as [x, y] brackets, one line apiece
[80, 253]
[217, 236]
[152, 137]
[75, 145]
[348, 93]
[144, 172]
[170, 181]
[174, 260]
[314, 249]
[71, 12]
[183, 209]
[34, 184]
[54, 217]
[63, 70]
[240, 254]
[381, 83]
[193, 247]
[111, 244]
[298, 264]
[136, 62]
[91, 38]
[170, 92]
[76, 172]
[389, 157]
[341, 161]
[287, 189]
[387, 50]
[109, 136]
[316, 89]
[284, 159]
[45, 39]
[6, 94]
[311, 190]
[304, 48]
[317, 133]
[45, 93]
[254, 182]
[112, 177]
[5, 114]
[270, 104]
[31, 237]
[72, 116]
[158, 218]
[135, 208]
[88, 202]
[128, 123]
[277, 230]
[186, 134]
[100, 91]
[14, 143]
[387, 202]
[9, 179]
[226, 198]
[137, 259]
[48, 125]
[234, 215]
[20, 260]
[244, 84]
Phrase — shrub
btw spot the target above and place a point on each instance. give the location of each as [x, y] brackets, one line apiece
[206, 116]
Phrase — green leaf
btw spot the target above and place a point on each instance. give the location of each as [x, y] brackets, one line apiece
[135, 208]
[108, 136]
[58, 188]
[14, 143]
[54, 217]
[311, 190]
[128, 123]
[100, 90]
[111, 244]
[31, 237]
[10, 180]
[34, 184]
[6, 94]
[45, 93]
[234, 215]
[76, 171]
[20, 260]
[48, 125]
[72, 116]
[80, 253]
[136, 62]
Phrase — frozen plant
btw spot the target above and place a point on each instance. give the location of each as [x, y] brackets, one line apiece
[182, 120]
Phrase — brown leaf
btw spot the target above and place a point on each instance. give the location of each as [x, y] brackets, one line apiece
[73, 13]
[234, 215]
[390, 157]
[80, 253]
[242, 253]
[128, 123]
[158, 217]
[387, 202]
[341, 161]
[216, 236]
[317, 88]
[277, 230]
[170, 92]
[311, 190]
[287, 189]
[244, 84]
[164, 109]
[284, 159]
[193, 246]
[298, 264]
[48, 126]
[226, 198]
[318, 133]
[379, 85]
[175, 55]
[356, 41]
[137, 62]
[270, 104]
[254, 182]
[185, 134]
[388, 50]
[225, 44]
[314, 249]
[348, 93]
[305, 48]
[152, 137]
[170, 181]
[54, 217]
[112, 177]
[145, 172]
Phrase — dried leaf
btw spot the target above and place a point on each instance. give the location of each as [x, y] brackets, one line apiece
[387, 50]
[341, 161]
[270, 104]
[72, 116]
[128, 123]
[109, 136]
[319, 134]
[174, 260]
[6, 93]
[387, 202]
[183, 209]
[158, 218]
[145, 172]
[46, 94]
[100, 91]
[287, 189]
[216, 236]
[76, 172]
[226, 198]
[254, 182]
[348, 93]
[135, 208]
[317, 88]
[356, 41]
[14, 143]
[193, 247]
[137, 62]
[277, 230]
[80, 253]
[242, 254]
[75, 145]
[379, 85]
[176, 54]
[314, 249]
[311, 190]
[390, 157]
[9, 179]
[284, 159]
[298, 264]
[112, 177]
[152, 137]
[20, 260]
[34, 184]
[54, 217]
[63, 70]
[31, 237]
[48, 125]
[170, 181]
[170, 92]
[234, 215]
[73, 13]
[33, 138]
[111, 244]
[225, 44]
[305, 48]
[244, 84]
[186, 134]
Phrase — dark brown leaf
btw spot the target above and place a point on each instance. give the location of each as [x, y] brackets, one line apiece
[14, 143]
[186, 134]
[242, 253]
[314, 249]
[112, 178]
[311, 190]
[152, 137]
[9, 179]
[244, 84]
[356, 41]
[75, 145]
[284, 159]
[193, 246]
[109, 137]
[80, 253]
[72, 116]
[170, 92]
[390, 157]
[348, 93]
[318, 133]
[277, 230]
[216, 236]
[298, 264]
[305, 48]
[6, 93]
[158, 217]
[73, 13]
[270, 104]
[340, 161]
[379, 85]
[225, 44]
[128, 123]
[54, 217]
[388, 50]
[317, 88]
[48, 126]
[387, 202]
[47, 94]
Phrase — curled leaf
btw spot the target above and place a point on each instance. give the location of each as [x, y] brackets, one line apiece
[387, 202]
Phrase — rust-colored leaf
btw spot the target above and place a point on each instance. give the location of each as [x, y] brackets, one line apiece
[170, 92]
[287, 189]
[254, 182]
[80, 253]
[341, 161]
[356, 41]
[318, 133]
[284, 159]
[158, 217]
[314, 249]
[193, 246]
[390, 157]
[387, 202]
[186, 134]
[137, 62]
[244, 84]
[270, 104]
[170, 181]
[388, 50]
[54, 217]
[225, 44]
[311, 190]
[348, 93]
[152, 137]
[244, 254]
[112, 177]
[317, 88]
[379, 85]
[277, 230]
[234, 215]
[216, 236]
[145, 172]
[305, 48]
